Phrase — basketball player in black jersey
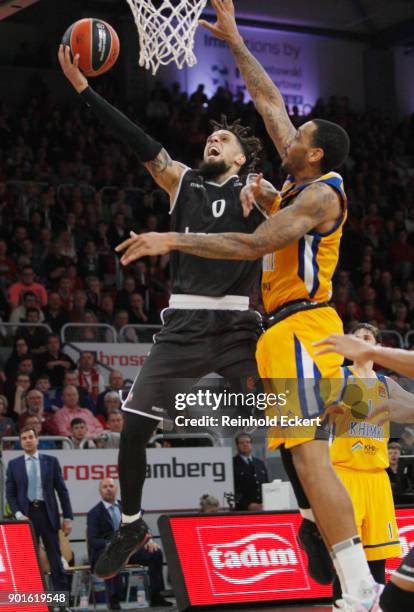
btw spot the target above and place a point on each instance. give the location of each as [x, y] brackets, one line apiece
[208, 326]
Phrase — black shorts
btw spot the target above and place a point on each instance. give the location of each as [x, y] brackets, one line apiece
[190, 345]
[406, 569]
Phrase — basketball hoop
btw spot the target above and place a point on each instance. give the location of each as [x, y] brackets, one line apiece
[166, 33]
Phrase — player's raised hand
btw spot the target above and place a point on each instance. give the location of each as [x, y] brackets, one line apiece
[71, 69]
[260, 192]
[140, 245]
[250, 193]
[393, 410]
[350, 347]
[225, 27]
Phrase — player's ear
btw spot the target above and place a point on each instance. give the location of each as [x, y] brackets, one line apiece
[315, 155]
[240, 159]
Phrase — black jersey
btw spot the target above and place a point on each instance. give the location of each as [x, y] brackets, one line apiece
[205, 207]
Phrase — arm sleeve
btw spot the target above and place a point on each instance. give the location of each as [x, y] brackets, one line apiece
[144, 146]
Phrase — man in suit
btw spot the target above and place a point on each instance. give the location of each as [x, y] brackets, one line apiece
[249, 475]
[102, 520]
[31, 485]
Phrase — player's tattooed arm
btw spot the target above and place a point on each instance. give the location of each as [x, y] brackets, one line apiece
[266, 96]
[317, 207]
[166, 172]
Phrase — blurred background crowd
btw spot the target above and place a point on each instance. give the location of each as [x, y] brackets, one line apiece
[70, 192]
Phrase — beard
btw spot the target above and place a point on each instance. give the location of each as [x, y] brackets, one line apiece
[213, 169]
[294, 163]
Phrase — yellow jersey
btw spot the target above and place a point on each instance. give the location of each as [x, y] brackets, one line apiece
[304, 269]
[358, 443]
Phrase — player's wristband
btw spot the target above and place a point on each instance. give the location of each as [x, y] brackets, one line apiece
[144, 146]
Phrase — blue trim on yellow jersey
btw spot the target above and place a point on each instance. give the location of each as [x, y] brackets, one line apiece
[301, 383]
[331, 231]
[301, 258]
[347, 375]
[383, 379]
[382, 544]
[318, 376]
[315, 246]
[315, 266]
[336, 183]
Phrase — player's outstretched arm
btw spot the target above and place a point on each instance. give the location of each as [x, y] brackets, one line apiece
[266, 96]
[399, 408]
[349, 346]
[151, 153]
[316, 205]
[353, 348]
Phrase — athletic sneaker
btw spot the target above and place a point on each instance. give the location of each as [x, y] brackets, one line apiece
[129, 538]
[320, 566]
[351, 604]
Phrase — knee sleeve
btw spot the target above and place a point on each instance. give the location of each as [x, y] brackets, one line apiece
[290, 470]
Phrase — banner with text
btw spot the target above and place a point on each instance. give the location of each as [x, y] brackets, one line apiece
[129, 358]
[251, 557]
[289, 59]
[176, 478]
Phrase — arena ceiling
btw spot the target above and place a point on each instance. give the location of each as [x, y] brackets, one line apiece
[394, 19]
[387, 21]
[344, 15]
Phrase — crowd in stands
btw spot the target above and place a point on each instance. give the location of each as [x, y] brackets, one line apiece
[70, 192]
[60, 398]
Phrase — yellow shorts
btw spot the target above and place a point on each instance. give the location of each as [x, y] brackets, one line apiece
[287, 363]
[374, 511]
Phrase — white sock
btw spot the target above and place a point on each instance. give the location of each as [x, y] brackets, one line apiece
[130, 518]
[353, 570]
[307, 514]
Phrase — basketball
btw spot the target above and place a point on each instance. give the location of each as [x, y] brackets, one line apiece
[360, 410]
[96, 42]
[352, 395]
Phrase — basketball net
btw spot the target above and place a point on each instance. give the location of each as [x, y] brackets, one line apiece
[166, 33]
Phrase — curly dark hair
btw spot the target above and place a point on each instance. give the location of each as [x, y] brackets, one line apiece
[252, 146]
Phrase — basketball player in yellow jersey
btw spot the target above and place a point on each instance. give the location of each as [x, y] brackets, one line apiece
[359, 455]
[399, 591]
[304, 231]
